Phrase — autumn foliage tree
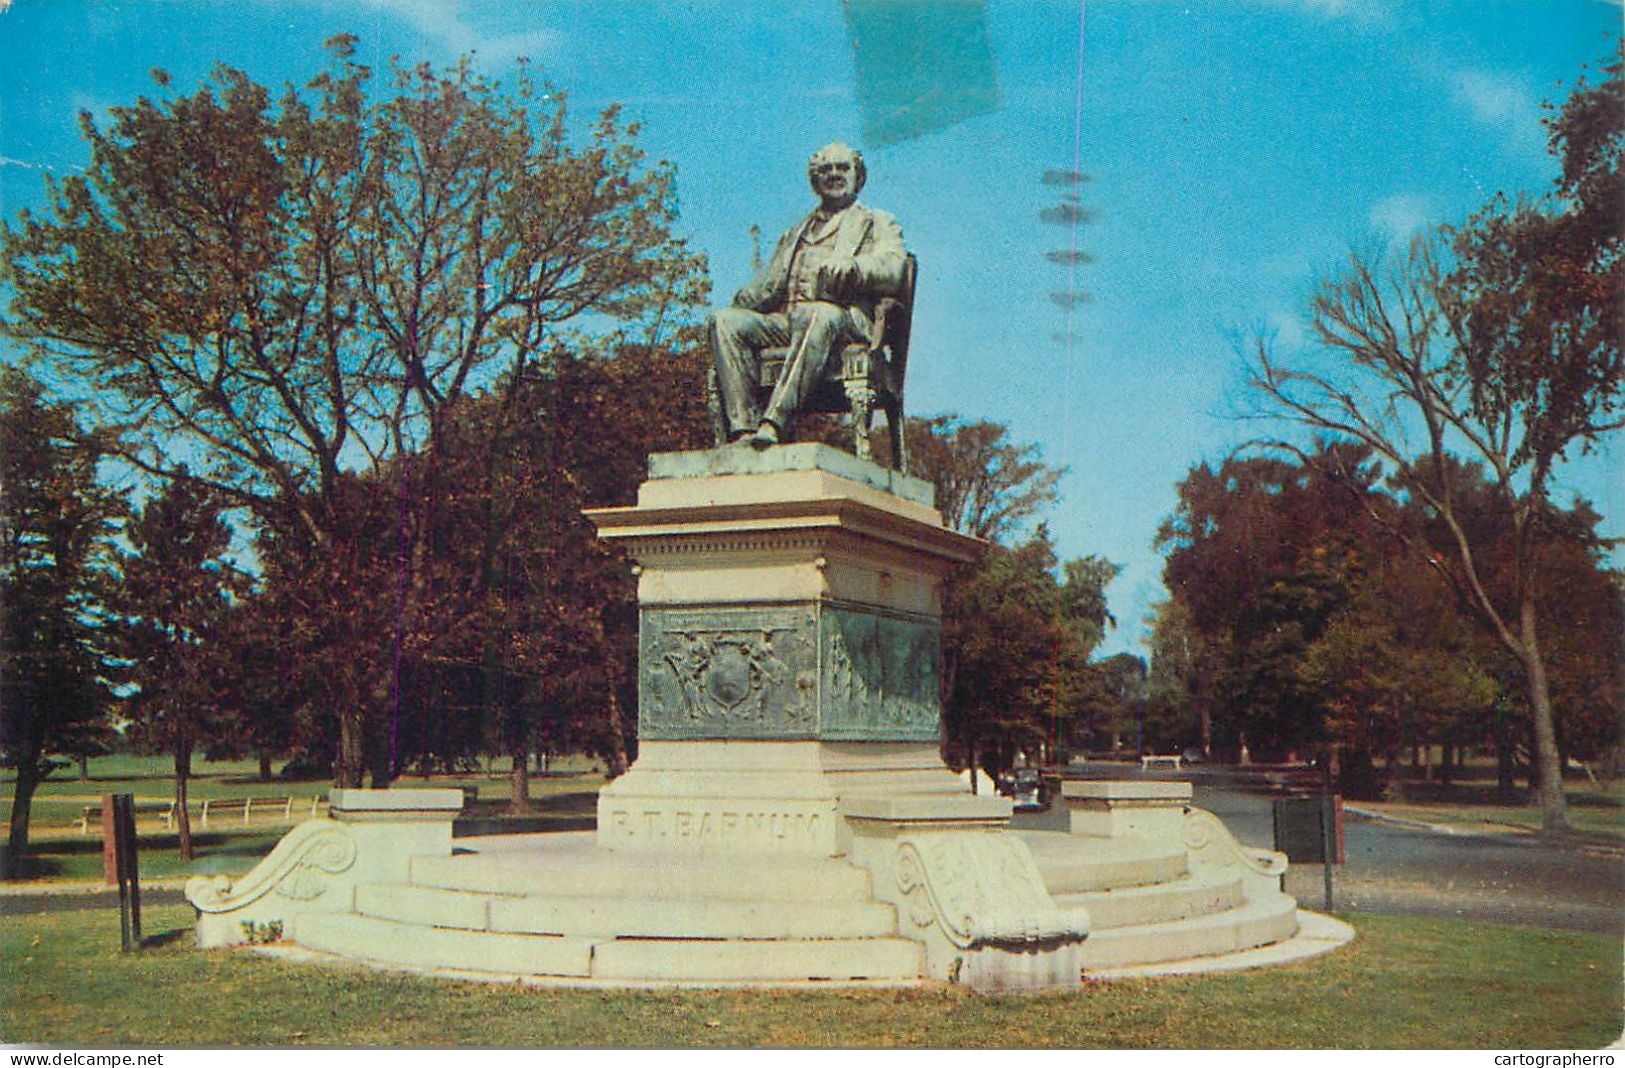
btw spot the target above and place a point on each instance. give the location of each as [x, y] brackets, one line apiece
[1018, 627]
[295, 293]
[1502, 345]
[1260, 554]
[1307, 611]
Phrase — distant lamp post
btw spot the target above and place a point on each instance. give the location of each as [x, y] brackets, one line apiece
[1139, 726]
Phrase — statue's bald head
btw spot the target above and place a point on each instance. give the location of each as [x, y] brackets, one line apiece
[836, 157]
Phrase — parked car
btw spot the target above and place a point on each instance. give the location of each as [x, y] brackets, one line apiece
[1026, 788]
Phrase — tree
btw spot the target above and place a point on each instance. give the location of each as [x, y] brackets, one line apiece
[1393, 668]
[528, 622]
[1261, 554]
[1512, 355]
[1307, 611]
[1184, 661]
[986, 486]
[56, 526]
[299, 293]
[537, 596]
[1577, 602]
[1000, 634]
[1015, 640]
[1080, 626]
[175, 596]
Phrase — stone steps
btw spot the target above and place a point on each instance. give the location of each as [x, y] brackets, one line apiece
[571, 865]
[426, 948]
[418, 947]
[1076, 864]
[560, 908]
[629, 917]
[1256, 923]
[1179, 899]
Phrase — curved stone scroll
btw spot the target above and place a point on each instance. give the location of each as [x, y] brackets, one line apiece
[1213, 847]
[299, 868]
[981, 889]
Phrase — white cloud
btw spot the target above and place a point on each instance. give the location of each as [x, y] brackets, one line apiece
[1360, 12]
[451, 23]
[1501, 102]
[1287, 328]
[1495, 99]
[1401, 216]
[12, 161]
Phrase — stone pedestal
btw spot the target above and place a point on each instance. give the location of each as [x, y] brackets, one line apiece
[967, 889]
[788, 819]
[368, 836]
[789, 647]
[789, 699]
[1117, 809]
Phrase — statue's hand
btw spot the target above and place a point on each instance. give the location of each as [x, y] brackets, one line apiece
[840, 280]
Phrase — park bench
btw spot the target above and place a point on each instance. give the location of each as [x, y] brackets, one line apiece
[91, 815]
[244, 808]
[1172, 760]
[240, 810]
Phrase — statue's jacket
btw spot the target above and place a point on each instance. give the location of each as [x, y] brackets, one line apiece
[872, 238]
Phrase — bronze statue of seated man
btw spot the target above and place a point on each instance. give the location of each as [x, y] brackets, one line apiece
[817, 294]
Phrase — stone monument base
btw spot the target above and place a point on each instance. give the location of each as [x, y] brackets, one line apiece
[788, 818]
[930, 889]
[772, 798]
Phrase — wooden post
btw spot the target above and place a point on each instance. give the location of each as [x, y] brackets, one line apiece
[128, 869]
[1328, 824]
[109, 835]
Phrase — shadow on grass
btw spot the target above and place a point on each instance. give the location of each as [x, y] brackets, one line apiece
[1595, 801]
[165, 938]
[80, 858]
[1462, 793]
[32, 867]
[575, 803]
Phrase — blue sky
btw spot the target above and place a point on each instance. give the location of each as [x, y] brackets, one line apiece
[1236, 149]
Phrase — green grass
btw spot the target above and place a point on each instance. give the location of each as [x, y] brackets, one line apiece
[61, 853]
[151, 779]
[1593, 810]
[1411, 983]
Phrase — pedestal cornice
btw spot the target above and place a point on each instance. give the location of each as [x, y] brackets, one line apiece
[778, 526]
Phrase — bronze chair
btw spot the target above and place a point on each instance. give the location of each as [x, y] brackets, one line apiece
[870, 373]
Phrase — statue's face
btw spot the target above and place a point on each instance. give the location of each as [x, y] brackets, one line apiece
[835, 175]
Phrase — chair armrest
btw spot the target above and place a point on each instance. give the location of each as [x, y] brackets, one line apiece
[887, 313]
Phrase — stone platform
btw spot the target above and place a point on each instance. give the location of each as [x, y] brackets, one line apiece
[563, 908]
[788, 818]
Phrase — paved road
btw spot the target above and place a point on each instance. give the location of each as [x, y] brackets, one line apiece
[1400, 870]
[1489, 878]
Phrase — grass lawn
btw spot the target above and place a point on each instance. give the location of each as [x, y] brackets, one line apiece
[61, 853]
[1402, 983]
[1595, 810]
